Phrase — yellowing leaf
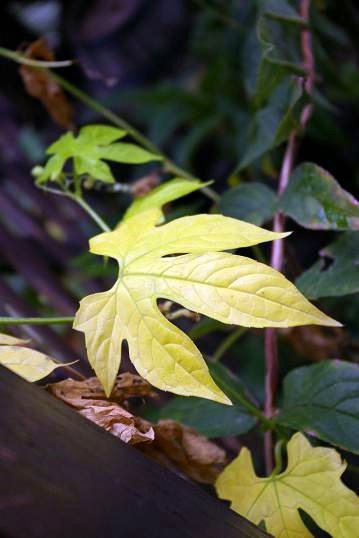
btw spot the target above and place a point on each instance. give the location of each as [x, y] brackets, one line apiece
[311, 482]
[8, 340]
[27, 363]
[229, 288]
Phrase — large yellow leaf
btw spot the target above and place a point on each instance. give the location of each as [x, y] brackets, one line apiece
[27, 363]
[229, 288]
[311, 482]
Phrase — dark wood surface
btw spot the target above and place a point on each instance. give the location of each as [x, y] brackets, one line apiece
[61, 477]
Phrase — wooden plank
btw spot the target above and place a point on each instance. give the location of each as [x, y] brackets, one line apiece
[62, 476]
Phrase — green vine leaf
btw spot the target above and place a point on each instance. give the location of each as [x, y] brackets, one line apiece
[310, 482]
[323, 400]
[232, 289]
[94, 145]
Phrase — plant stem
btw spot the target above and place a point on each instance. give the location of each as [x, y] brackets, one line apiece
[21, 59]
[85, 206]
[277, 254]
[228, 342]
[36, 321]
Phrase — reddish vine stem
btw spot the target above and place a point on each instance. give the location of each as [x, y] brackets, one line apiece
[277, 254]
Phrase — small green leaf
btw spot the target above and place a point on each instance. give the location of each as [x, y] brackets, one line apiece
[93, 144]
[252, 202]
[323, 400]
[341, 277]
[315, 200]
[163, 194]
[127, 154]
[27, 363]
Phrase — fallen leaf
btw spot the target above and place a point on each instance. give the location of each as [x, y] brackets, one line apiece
[28, 363]
[310, 482]
[39, 84]
[232, 289]
[90, 401]
[117, 421]
[180, 447]
[126, 386]
[317, 343]
[8, 340]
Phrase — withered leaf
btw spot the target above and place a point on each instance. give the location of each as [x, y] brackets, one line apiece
[127, 385]
[317, 343]
[181, 447]
[90, 401]
[39, 84]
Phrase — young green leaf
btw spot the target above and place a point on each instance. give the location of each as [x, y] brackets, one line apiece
[229, 288]
[94, 145]
[310, 482]
[27, 363]
[323, 400]
[324, 204]
[163, 194]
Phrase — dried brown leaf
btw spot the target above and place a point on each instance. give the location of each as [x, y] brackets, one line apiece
[127, 385]
[117, 421]
[181, 447]
[39, 84]
[317, 343]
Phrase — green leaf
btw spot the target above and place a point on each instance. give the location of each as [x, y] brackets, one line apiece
[310, 482]
[278, 31]
[323, 400]
[163, 194]
[209, 418]
[272, 124]
[93, 144]
[252, 202]
[315, 200]
[232, 289]
[341, 277]
[27, 363]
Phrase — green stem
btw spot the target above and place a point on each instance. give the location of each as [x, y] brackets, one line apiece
[227, 343]
[278, 457]
[36, 321]
[85, 206]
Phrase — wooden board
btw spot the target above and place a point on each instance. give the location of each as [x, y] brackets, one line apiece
[63, 477]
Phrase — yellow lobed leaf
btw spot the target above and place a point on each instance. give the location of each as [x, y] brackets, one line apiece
[311, 482]
[28, 363]
[229, 288]
[8, 340]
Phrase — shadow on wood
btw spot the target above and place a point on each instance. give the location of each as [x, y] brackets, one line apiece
[62, 476]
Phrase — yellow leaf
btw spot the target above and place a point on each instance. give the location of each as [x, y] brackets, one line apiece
[8, 340]
[229, 288]
[311, 482]
[27, 363]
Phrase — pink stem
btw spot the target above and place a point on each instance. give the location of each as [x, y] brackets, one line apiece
[277, 254]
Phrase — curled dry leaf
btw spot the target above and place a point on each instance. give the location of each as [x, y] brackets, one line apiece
[317, 343]
[116, 420]
[170, 443]
[127, 385]
[89, 399]
[39, 84]
[181, 447]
